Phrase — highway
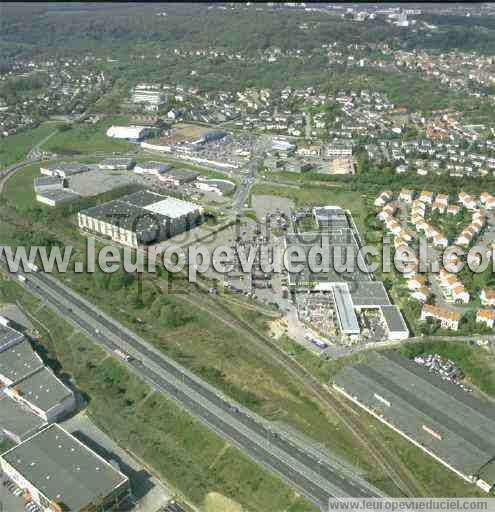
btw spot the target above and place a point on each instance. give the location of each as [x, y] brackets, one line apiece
[316, 479]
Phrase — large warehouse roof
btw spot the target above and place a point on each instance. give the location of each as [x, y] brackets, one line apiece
[63, 469]
[58, 195]
[457, 427]
[339, 245]
[17, 421]
[124, 215]
[9, 337]
[19, 361]
[142, 211]
[369, 294]
[394, 319]
[331, 217]
[43, 389]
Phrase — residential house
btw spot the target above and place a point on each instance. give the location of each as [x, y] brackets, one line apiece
[417, 282]
[421, 294]
[426, 197]
[486, 316]
[440, 241]
[453, 209]
[383, 198]
[459, 294]
[448, 319]
[406, 195]
[467, 201]
[487, 297]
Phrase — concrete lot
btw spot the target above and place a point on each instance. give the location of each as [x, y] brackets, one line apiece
[97, 181]
[269, 204]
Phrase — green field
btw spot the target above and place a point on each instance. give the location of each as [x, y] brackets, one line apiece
[186, 454]
[14, 149]
[87, 139]
[19, 188]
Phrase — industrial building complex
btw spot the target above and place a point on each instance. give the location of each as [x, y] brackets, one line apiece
[53, 470]
[141, 218]
[443, 420]
[59, 473]
[355, 304]
[31, 395]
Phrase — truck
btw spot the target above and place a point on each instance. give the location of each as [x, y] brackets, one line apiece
[122, 355]
[319, 343]
[21, 278]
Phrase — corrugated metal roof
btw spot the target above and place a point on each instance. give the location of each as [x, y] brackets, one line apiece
[345, 309]
[463, 425]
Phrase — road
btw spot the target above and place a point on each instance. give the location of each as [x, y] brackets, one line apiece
[32, 157]
[315, 479]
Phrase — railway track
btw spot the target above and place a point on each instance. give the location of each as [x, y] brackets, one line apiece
[389, 462]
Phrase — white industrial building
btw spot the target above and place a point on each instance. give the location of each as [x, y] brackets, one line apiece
[130, 133]
[18, 362]
[32, 395]
[141, 218]
[63, 169]
[153, 168]
[56, 197]
[149, 96]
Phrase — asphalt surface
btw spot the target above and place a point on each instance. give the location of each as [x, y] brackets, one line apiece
[315, 479]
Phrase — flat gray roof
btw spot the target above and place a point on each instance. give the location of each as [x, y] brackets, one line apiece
[151, 165]
[331, 217]
[125, 215]
[43, 389]
[142, 198]
[117, 161]
[68, 168]
[16, 420]
[48, 180]
[182, 173]
[369, 293]
[63, 469]
[142, 211]
[19, 361]
[340, 247]
[8, 337]
[59, 195]
[451, 423]
[394, 319]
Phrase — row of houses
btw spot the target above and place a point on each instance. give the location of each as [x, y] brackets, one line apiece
[451, 319]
